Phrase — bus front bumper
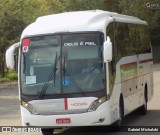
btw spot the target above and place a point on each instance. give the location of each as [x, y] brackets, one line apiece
[99, 117]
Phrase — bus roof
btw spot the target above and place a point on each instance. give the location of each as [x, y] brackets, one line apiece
[92, 20]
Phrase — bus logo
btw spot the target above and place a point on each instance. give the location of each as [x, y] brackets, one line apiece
[79, 104]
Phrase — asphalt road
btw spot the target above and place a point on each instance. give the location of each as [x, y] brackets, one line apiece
[10, 113]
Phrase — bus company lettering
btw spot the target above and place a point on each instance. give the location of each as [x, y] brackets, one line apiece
[71, 44]
[80, 44]
[79, 104]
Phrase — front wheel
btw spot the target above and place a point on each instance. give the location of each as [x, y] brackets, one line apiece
[47, 131]
[143, 109]
[117, 125]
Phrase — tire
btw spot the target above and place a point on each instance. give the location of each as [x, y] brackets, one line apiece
[117, 126]
[47, 131]
[143, 109]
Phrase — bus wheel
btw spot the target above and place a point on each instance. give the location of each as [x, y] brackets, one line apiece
[47, 131]
[143, 109]
[117, 125]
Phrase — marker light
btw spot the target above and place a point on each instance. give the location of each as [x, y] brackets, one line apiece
[25, 45]
[26, 42]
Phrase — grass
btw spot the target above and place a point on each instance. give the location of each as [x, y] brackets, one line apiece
[9, 77]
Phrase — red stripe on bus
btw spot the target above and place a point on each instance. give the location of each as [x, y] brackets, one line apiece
[65, 104]
[145, 61]
[128, 64]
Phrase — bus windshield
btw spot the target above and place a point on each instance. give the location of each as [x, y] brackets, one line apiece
[63, 64]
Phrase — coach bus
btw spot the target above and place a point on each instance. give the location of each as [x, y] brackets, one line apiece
[85, 68]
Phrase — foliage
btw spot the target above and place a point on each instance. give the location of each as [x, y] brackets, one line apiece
[76, 5]
[12, 76]
[141, 10]
[9, 77]
[15, 15]
[2, 80]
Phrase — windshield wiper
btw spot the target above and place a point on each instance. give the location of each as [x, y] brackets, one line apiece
[66, 73]
[51, 75]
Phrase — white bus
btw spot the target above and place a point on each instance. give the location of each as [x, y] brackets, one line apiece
[83, 68]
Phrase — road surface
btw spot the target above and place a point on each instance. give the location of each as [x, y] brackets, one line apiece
[10, 112]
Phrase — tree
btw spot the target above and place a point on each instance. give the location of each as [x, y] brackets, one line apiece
[15, 15]
[77, 5]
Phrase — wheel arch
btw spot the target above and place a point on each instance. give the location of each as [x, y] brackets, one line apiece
[121, 102]
[146, 91]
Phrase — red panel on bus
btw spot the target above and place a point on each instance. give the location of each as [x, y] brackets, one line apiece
[25, 45]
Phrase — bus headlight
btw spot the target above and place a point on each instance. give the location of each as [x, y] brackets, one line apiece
[95, 104]
[29, 107]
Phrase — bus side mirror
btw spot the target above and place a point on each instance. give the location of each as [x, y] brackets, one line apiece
[10, 55]
[107, 50]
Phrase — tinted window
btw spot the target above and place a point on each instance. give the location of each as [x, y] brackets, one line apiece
[129, 39]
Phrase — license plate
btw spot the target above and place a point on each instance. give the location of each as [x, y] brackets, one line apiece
[63, 121]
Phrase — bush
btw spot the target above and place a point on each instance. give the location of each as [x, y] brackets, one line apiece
[2, 80]
[12, 76]
[9, 77]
